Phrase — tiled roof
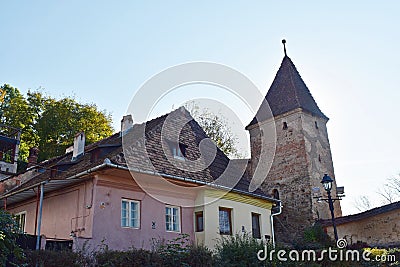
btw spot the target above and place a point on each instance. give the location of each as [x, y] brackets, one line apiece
[145, 147]
[363, 215]
[287, 92]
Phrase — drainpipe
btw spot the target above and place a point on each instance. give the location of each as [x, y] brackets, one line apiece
[39, 220]
[37, 207]
[272, 222]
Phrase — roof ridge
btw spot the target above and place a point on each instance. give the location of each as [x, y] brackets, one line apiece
[291, 79]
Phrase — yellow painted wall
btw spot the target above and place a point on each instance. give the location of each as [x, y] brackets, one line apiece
[242, 207]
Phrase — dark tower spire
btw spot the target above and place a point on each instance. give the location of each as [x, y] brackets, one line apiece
[284, 46]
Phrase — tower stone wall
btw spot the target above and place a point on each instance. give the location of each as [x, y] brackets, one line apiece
[302, 157]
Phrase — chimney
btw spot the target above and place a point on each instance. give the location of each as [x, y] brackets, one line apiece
[79, 146]
[33, 156]
[126, 124]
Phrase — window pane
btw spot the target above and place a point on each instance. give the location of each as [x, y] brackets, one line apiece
[172, 219]
[134, 215]
[175, 219]
[224, 221]
[18, 219]
[124, 213]
[22, 223]
[199, 221]
[168, 219]
[255, 221]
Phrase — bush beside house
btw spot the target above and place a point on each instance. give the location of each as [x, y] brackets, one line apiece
[236, 250]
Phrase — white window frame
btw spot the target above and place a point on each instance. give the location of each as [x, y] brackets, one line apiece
[170, 221]
[19, 220]
[229, 218]
[176, 150]
[129, 215]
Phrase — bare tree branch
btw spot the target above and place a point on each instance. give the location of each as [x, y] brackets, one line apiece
[362, 203]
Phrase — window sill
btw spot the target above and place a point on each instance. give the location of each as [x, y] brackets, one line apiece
[129, 227]
[225, 233]
[170, 231]
[179, 158]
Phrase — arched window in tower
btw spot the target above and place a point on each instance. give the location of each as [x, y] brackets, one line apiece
[275, 193]
[284, 125]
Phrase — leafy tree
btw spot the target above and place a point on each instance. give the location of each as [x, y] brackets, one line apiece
[51, 124]
[216, 127]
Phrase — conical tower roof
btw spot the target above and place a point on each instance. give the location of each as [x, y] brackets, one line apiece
[287, 92]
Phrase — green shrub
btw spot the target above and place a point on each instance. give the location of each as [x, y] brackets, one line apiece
[133, 257]
[314, 237]
[49, 258]
[199, 256]
[9, 250]
[238, 250]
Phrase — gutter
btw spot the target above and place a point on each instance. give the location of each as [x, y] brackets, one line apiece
[49, 180]
[272, 222]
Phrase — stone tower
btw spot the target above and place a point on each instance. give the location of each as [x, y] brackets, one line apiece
[302, 154]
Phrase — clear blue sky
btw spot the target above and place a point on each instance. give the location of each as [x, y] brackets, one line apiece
[102, 51]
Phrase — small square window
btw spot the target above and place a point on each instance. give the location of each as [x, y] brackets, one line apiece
[172, 219]
[130, 213]
[199, 221]
[284, 125]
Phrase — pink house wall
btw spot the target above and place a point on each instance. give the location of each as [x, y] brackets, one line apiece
[63, 212]
[92, 211]
[109, 192]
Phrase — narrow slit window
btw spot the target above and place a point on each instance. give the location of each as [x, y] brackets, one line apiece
[255, 225]
[284, 125]
[275, 193]
[199, 221]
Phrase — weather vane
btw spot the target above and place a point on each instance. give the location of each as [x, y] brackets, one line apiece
[284, 46]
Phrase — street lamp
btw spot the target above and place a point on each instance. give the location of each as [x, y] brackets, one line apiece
[327, 183]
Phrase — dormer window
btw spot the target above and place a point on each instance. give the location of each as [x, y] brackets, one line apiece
[178, 151]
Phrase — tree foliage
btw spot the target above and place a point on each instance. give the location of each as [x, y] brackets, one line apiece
[51, 124]
[216, 127]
